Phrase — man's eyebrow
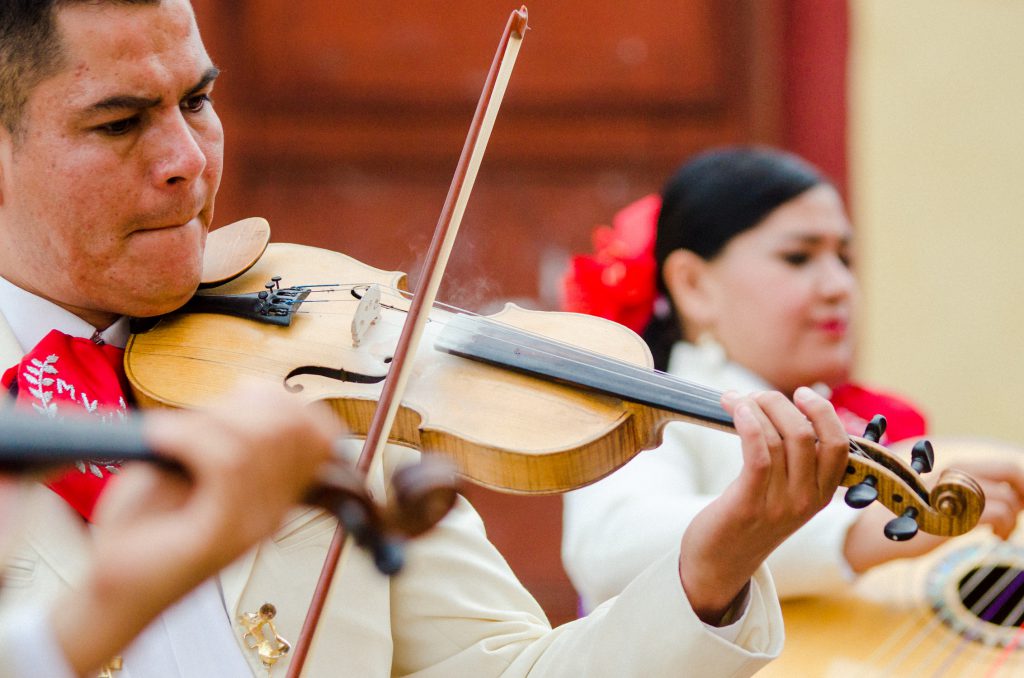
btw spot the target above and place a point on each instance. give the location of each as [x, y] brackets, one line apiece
[209, 76]
[122, 102]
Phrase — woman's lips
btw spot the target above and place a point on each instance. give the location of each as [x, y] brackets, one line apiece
[836, 326]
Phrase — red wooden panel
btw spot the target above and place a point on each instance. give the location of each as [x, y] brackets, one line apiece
[397, 79]
[396, 52]
[817, 35]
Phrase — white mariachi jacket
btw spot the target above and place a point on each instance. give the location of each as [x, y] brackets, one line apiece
[455, 610]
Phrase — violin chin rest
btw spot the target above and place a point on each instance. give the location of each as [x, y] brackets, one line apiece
[233, 249]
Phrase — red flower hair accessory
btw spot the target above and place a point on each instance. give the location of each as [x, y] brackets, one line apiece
[618, 281]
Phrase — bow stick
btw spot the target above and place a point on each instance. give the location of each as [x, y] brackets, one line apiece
[433, 270]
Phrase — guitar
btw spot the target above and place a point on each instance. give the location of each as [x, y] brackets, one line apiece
[957, 611]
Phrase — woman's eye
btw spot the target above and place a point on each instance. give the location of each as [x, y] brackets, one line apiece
[796, 258]
[196, 103]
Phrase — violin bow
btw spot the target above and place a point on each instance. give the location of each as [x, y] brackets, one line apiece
[431, 274]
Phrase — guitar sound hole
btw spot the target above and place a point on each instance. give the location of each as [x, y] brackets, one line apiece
[994, 594]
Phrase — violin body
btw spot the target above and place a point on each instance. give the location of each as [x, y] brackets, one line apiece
[506, 430]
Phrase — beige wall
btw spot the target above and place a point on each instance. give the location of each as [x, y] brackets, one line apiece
[937, 193]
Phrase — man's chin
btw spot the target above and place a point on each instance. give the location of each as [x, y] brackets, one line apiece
[162, 306]
[159, 297]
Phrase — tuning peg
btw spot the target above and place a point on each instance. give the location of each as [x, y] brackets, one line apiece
[904, 527]
[922, 457]
[875, 428]
[863, 493]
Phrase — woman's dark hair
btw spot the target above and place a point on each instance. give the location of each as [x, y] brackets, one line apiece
[715, 196]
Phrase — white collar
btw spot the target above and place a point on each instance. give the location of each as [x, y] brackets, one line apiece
[707, 364]
[31, 318]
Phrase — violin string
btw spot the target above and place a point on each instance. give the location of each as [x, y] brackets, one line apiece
[600, 362]
[616, 366]
[663, 378]
[659, 378]
[653, 376]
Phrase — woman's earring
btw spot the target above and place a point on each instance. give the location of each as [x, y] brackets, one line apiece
[710, 349]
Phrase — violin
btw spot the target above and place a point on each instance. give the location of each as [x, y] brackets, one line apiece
[521, 401]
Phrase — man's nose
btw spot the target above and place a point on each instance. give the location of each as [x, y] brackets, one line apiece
[178, 156]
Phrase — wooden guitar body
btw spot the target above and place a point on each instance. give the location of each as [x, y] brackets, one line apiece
[955, 612]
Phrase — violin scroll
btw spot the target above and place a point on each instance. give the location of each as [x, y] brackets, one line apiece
[955, 492]
[952, 507]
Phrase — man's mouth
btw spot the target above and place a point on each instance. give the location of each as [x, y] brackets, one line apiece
[169, 224]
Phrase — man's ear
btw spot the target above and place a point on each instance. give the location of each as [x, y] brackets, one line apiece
[686, 277]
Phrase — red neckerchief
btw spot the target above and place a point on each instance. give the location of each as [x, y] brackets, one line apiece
[855, 406]
[70, 375]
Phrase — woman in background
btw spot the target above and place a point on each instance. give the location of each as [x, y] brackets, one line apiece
[752, 259]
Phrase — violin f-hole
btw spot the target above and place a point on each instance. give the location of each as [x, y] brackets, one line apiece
[336, 373]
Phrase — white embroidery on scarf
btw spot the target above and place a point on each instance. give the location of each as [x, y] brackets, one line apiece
[36, 375]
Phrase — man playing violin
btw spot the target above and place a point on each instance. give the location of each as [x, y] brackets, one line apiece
[110, 159]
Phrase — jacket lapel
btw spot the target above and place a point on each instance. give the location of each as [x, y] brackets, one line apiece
[10, 350]
[282, 571]
[58, 534]
[52, 530]
[354, 629]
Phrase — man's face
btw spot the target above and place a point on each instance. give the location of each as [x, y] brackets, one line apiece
[107, 196]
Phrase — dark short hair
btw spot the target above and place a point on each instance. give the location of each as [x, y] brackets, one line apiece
[711, 199]
[31, 50]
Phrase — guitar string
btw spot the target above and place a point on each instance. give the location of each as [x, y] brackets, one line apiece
[969, 641]
[924, 632]
[1007, 653]
[971, 585]
[988, 605]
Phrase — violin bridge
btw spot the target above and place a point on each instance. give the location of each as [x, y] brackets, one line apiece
[367, 314]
